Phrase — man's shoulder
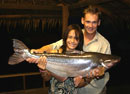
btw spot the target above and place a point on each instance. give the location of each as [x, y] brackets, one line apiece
[57, 44]
[59, 41]
[102, 39]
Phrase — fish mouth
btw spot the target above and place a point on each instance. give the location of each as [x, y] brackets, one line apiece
[111, 63]
[115, 61]
[108, 65]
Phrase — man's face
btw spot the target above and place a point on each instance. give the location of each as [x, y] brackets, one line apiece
[90, 22]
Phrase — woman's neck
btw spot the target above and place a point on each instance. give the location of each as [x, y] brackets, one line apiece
[70, 50]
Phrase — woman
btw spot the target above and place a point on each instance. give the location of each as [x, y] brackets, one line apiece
[72, 42]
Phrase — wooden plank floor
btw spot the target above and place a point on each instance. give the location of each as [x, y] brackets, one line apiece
[29, 91]
[123, 89]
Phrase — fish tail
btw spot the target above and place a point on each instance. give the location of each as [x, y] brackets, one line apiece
[15, 59]
[17, 44]
[19, 54]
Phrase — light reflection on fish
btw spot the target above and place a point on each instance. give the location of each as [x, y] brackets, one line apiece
[65, 65]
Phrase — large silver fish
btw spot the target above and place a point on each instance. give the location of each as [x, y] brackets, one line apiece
[65, 65]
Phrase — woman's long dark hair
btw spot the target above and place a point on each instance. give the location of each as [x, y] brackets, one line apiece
[79, 36]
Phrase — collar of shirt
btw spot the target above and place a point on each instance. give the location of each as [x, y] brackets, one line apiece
[94, 39]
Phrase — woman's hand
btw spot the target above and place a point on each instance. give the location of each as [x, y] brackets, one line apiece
[77, 80]
[42, 62]
[45, 74]
[34, 60]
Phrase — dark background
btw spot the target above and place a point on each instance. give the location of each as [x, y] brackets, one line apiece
[39, 22]
[118, 34]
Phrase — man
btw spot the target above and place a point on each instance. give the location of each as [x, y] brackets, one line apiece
[93, 42]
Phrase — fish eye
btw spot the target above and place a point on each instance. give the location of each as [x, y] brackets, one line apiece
[101, 60]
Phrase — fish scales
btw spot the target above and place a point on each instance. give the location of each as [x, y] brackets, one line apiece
[70, 65]
[71, 62]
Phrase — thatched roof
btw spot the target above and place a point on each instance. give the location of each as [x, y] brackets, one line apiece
[28, 12]
[116, 7]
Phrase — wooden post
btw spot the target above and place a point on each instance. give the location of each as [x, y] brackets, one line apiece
[65, 16]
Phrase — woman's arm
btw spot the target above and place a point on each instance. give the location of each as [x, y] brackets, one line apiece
[45, 73]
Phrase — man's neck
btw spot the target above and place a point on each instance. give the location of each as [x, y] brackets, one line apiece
[88, 37]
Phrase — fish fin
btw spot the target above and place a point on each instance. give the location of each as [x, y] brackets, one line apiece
[17, 44]
[15, 59]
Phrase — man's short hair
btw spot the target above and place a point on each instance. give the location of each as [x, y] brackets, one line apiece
[93, 10]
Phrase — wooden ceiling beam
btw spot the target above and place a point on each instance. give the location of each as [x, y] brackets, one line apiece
[84, 3]
[11, 6]
[125, 2]
[29, 4]
[30, 16]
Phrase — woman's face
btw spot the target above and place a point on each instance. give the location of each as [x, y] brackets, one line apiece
[72, 41]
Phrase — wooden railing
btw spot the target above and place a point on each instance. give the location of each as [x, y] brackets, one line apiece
[23, 75]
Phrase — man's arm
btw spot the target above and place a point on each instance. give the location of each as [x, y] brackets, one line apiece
[47, 48]
[95, 73]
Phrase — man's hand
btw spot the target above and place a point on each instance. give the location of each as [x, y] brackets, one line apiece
[36, 51]
[97, 72]
[94, 73]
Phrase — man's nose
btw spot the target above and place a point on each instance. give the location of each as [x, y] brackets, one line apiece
[90, 24]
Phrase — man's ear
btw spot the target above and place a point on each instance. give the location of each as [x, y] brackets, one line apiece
[99, 22]
[82, 20]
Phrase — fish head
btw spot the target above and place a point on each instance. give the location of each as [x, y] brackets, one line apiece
[109, 61]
